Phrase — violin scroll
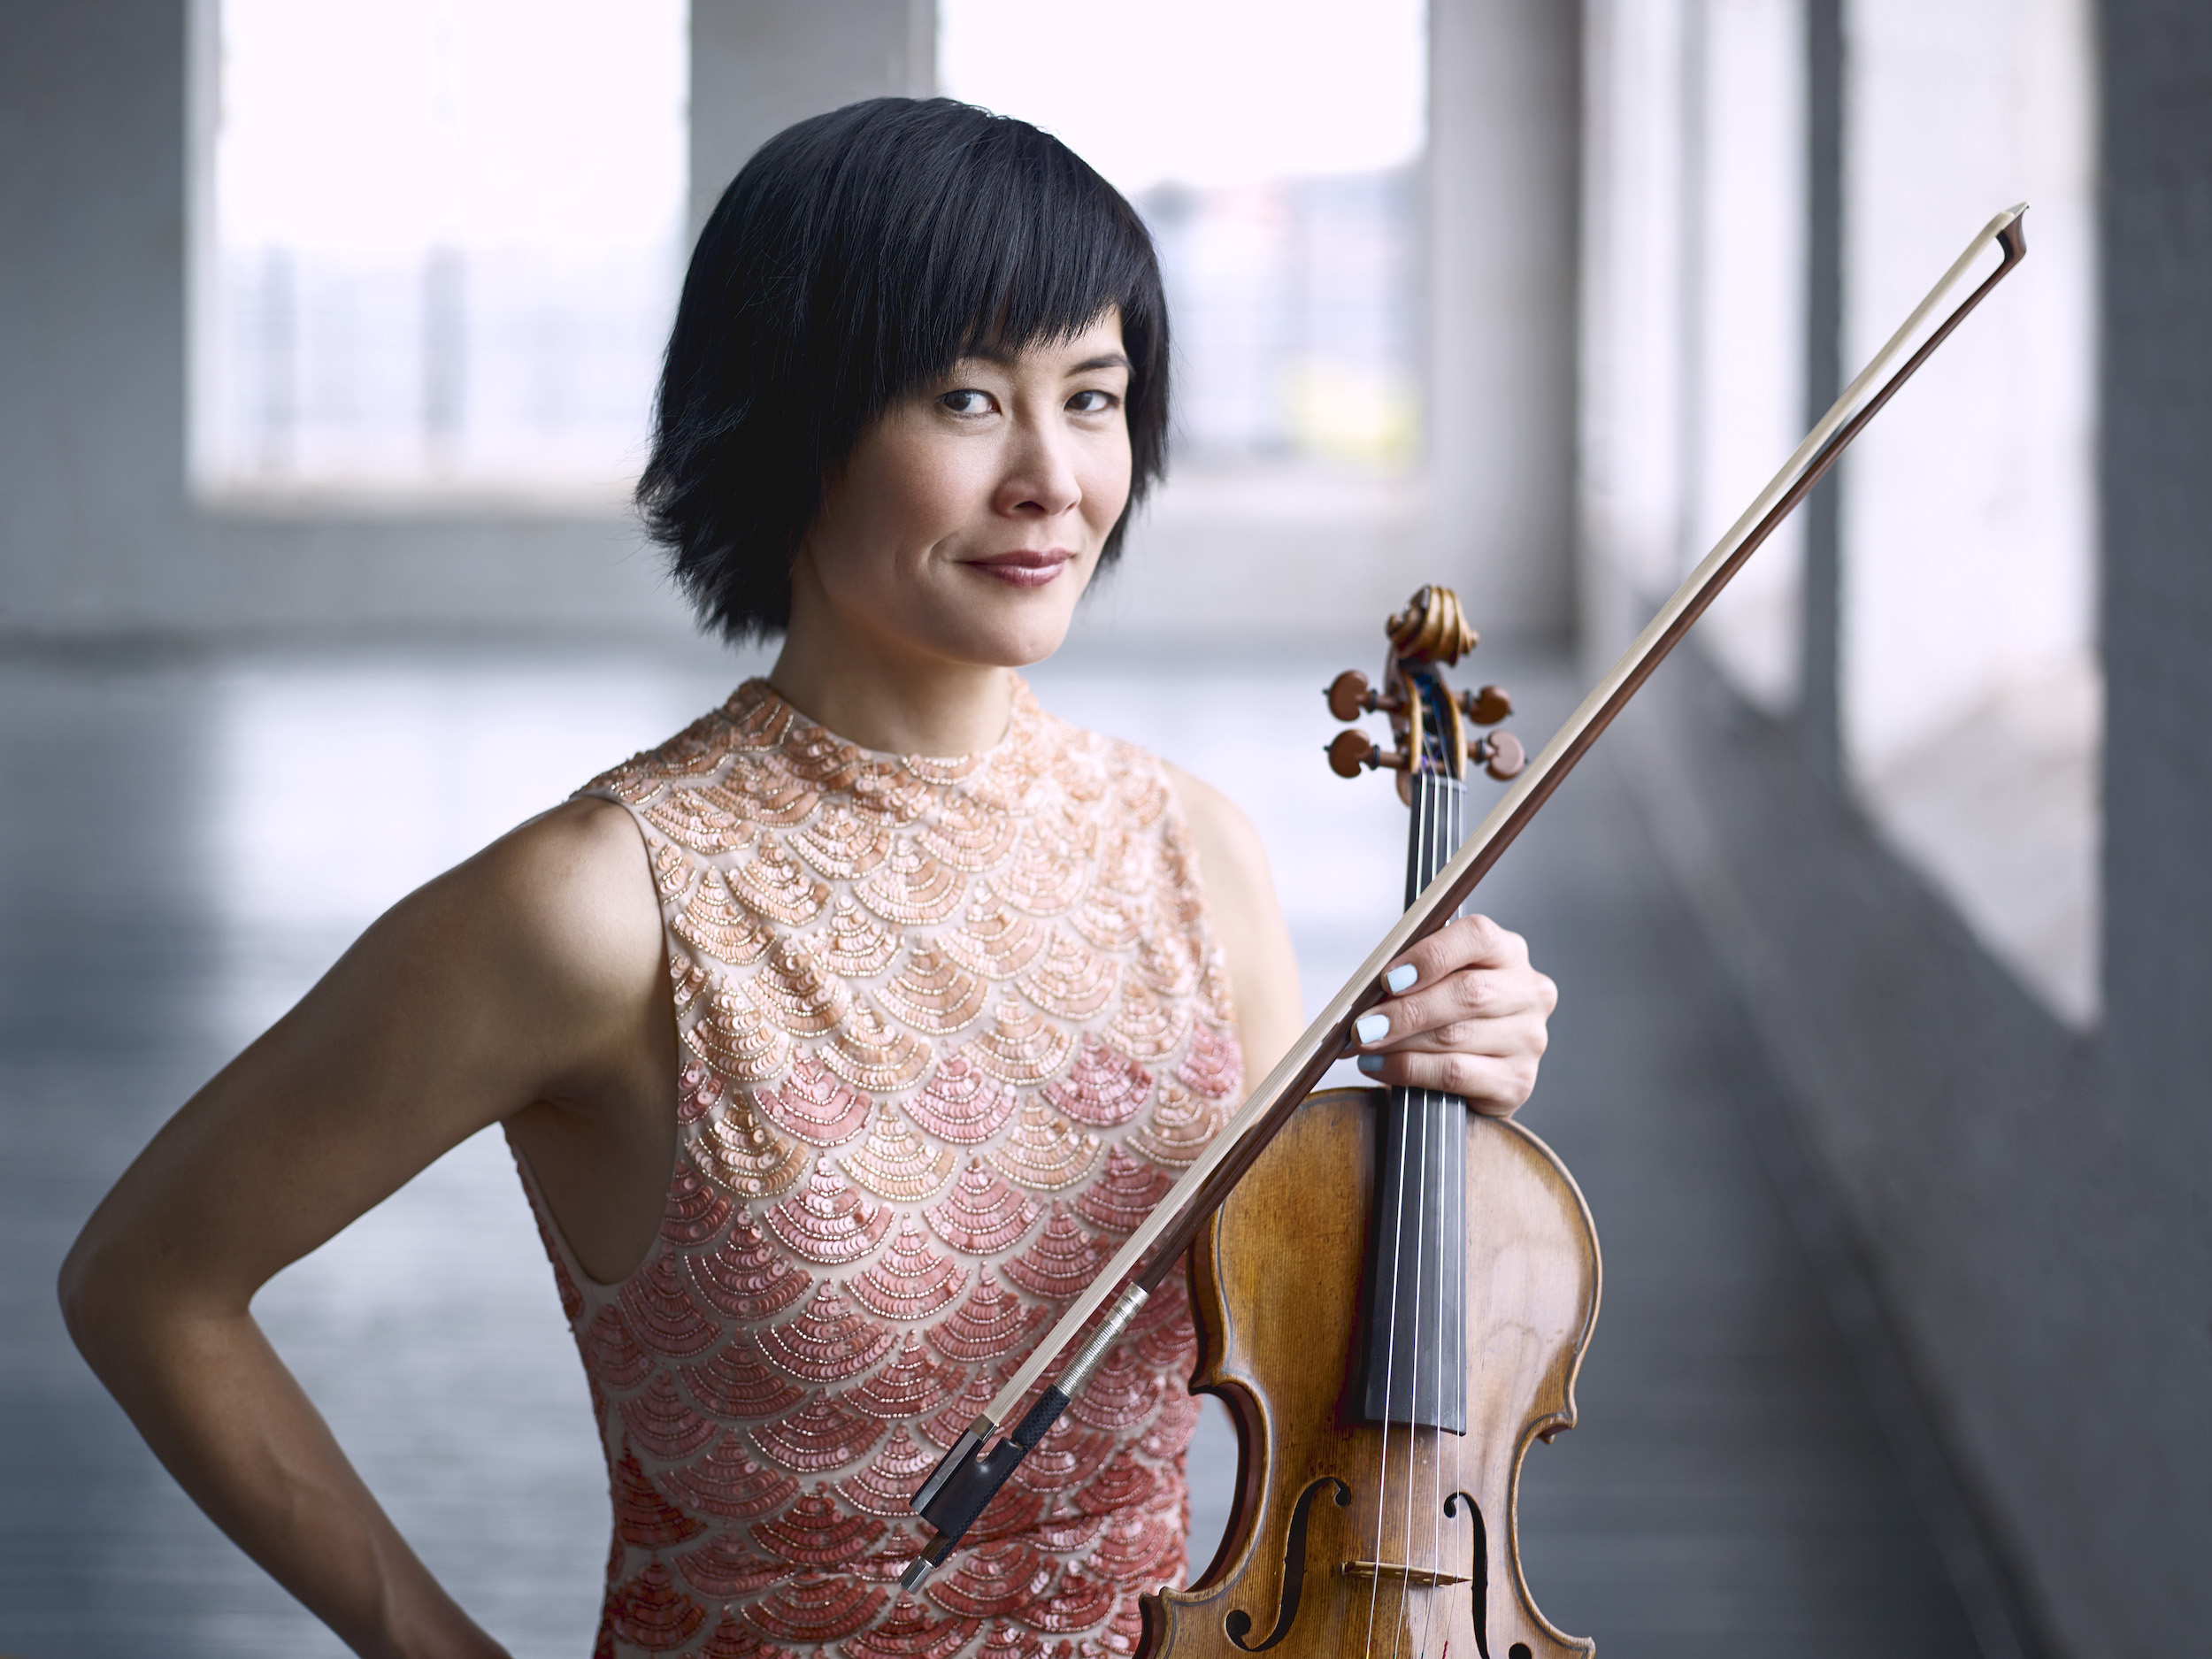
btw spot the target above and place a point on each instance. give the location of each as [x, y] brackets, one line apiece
[1428, 720]
[1431, 629]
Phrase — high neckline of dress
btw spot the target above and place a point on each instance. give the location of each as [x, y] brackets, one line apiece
[1022, 714]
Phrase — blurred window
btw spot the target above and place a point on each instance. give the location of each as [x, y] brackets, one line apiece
[437, 244]
[1972, 698]
[1273, 149]
[1969, 693]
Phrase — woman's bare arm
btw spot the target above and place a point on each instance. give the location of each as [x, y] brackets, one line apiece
[527, 981]
[1248, 920]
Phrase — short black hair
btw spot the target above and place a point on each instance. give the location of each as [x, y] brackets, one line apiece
[857, 257]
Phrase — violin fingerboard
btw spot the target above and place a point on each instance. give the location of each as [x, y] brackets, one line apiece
[1415, 1369]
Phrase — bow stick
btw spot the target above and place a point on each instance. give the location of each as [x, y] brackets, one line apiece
[969, 1475]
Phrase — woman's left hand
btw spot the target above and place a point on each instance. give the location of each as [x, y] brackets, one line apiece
[1465, 1015]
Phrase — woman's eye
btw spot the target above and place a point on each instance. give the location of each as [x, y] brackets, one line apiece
[1092, 403]
[966, 402]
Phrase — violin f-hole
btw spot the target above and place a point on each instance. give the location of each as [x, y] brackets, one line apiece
[1479, 1575]
[1239, 1624]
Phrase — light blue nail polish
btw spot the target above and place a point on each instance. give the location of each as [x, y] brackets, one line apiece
[1400, 977]
[1373, 1027]
[1372, 1063]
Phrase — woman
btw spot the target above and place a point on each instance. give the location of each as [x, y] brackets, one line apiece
[839, 1039]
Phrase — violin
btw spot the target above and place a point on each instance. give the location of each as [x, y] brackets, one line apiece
[1392, 1302]
[1295, 1317]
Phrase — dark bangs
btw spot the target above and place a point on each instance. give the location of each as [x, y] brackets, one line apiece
[854, 261]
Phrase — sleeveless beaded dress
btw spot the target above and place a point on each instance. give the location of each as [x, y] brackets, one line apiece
[948, 1029]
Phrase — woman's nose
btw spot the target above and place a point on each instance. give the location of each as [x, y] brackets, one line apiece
[1040, 477]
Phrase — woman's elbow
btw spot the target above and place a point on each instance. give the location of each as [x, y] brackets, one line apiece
[80, 1288]
[94, 1287]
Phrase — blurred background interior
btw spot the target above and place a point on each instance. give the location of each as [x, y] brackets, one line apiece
[1884, 923]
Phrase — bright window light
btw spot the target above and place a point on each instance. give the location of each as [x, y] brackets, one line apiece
[437, 245]
[1271, 145]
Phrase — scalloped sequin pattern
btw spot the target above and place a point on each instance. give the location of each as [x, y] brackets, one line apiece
[950, 1030]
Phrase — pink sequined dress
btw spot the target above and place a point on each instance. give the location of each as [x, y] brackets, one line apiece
[949, 1029]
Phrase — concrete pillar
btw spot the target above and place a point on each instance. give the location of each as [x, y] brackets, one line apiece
[1693, 302]
[1967, 513]
[1743, 320]
[1631, 402]
[2141, 1483]
[758, 65]
[1951, 114]
[1504, 122]
[1819, 718]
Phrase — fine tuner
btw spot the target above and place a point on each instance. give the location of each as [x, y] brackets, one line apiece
[1427, 720]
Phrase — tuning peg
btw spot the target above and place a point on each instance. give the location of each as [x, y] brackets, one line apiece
[1348, 694]
[1351, 696]
[1487, 706]
[1500, 754]
[1349, 751]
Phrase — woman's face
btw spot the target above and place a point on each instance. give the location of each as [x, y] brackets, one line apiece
[968, 519]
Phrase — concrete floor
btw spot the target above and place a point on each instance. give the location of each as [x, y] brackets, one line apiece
[185, 843]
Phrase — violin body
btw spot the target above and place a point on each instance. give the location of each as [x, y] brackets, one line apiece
[1346, 1538]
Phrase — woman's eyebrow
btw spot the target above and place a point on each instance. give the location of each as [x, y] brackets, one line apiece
[1000, 358]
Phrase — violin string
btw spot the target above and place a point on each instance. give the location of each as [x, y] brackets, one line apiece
[1424, 1343]
[1445, 1104]
[1439, 807]
[1424, 836]
[1390, 1322]
[1421, 1100]
[1439, 1106]
[1412, 1430]
[1390, 1354]
[1455, 1230]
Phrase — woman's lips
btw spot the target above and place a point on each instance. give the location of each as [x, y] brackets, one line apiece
[1024, 567]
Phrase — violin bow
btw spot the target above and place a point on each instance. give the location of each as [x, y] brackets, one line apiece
[972, 1470]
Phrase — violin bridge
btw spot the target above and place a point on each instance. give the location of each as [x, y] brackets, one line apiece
[1423, 1576]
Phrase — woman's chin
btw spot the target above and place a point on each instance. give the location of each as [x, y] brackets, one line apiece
[1020, 647]
[1027, 630]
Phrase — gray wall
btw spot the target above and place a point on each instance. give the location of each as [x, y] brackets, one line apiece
[2033, 1209]
[98, 534]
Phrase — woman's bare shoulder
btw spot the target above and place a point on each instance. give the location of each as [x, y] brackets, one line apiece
[1245, 917]
[563, 904]
[1225, 836]
[579, 873]
[527, 973]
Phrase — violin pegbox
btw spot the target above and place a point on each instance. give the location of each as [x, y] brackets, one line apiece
[1428, 720]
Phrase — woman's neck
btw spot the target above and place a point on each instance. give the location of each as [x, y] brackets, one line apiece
[882, 694]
